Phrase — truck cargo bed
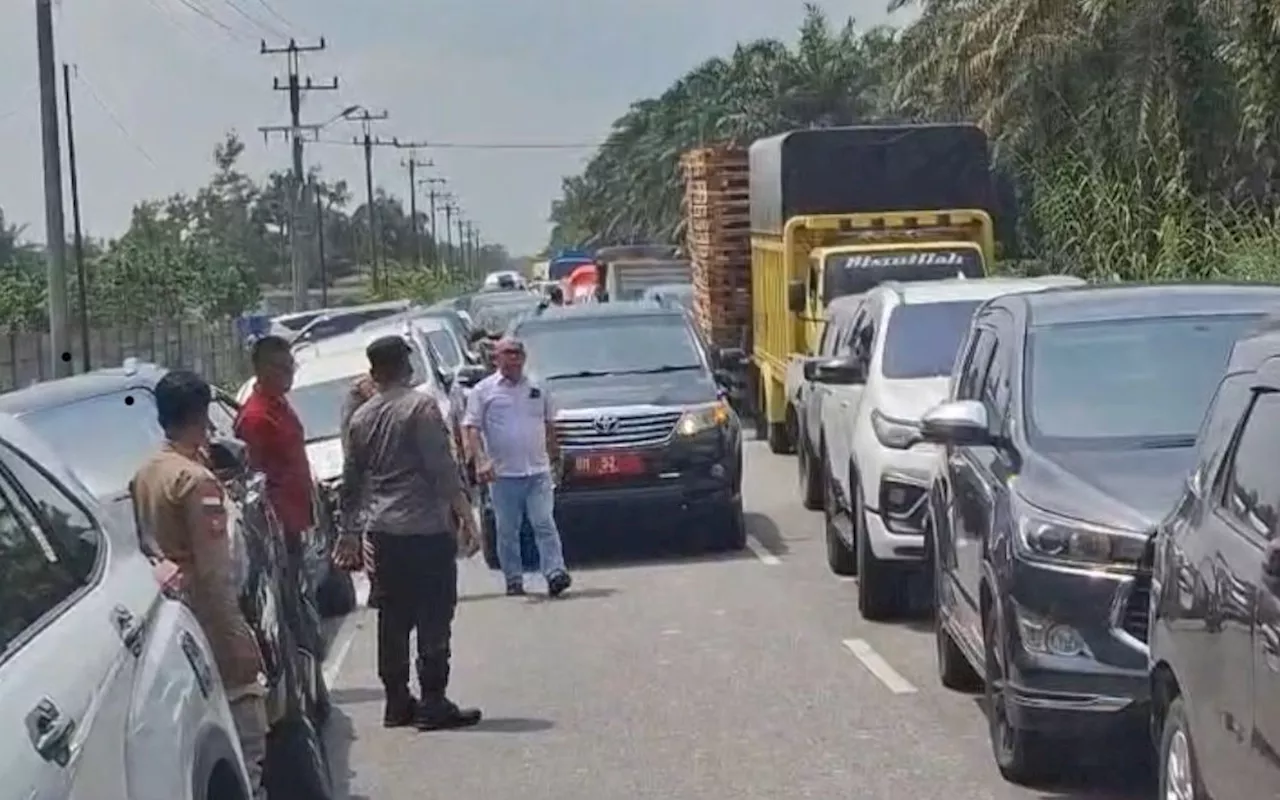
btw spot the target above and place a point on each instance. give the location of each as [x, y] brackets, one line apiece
[865, 169]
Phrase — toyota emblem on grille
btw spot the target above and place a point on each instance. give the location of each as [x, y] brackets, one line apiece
[606, 424]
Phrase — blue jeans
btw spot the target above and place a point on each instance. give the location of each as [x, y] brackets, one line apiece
[513, 500]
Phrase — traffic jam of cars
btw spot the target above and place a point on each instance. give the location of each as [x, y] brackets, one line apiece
[1074, 481]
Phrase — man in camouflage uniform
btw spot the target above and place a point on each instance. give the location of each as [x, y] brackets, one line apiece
[180, 507]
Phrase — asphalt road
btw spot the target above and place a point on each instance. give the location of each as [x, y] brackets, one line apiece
[749, 677]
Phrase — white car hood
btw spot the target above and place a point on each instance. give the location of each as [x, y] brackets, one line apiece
[910, 399]
[326, 459]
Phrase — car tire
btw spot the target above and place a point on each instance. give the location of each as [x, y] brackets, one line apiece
[297, 765]
[779, 440]
[880, 587]
[811, 472]
[841, 559]
[1178, 763]
[731, 535]
[954, 670]
[336, 597]
[1023, 757]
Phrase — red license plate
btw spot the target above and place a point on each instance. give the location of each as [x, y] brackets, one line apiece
[606, 465]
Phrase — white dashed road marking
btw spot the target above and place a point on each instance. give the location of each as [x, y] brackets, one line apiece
[877, 666]
[340, 648]
[761, 552]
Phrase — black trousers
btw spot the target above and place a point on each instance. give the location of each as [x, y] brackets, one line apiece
[417, 580]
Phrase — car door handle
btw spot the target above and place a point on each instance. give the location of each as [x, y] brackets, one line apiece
[132, 630]
[50, 732]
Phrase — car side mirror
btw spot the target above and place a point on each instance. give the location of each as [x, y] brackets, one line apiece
[835, 371]
[471, 374]
[1271, 560]
[797, 297]
[957, 423]
[228, 458]
[731, 358]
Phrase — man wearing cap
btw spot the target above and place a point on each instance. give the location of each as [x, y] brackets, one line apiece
[510, 424]
[399, 470]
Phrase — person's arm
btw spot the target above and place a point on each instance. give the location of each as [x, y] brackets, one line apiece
[472, 422]
[437, 454]
[549, 426]
[353, 472]
[210, 586]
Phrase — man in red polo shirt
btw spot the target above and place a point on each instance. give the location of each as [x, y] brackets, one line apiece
[270, 428]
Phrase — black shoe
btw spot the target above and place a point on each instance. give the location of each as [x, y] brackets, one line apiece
[515, 589]
[558, 584]
[400, 713]
[445, 715]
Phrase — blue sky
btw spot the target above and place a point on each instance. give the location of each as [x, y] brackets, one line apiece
[160, 81]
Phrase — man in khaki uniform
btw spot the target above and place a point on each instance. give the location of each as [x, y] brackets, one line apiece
[180, 507]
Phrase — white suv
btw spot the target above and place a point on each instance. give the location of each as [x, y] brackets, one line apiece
[902, 343]
[109, 687]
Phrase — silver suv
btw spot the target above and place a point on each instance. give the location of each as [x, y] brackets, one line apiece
[109, 687]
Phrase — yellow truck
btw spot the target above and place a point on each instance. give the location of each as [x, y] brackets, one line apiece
[837, 211]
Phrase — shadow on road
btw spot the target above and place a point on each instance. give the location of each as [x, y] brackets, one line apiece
[509, 725]
[356, 695]
[339, 735]
[764, 530]
[590, 593]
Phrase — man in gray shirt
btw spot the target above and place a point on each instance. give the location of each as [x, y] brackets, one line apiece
[510, 425]
[399, 470]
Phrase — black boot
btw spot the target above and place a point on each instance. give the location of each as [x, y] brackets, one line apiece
[440, 714]
[400, 711]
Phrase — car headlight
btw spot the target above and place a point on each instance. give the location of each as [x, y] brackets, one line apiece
[1050, 536]
[899, 434]
[704, 418]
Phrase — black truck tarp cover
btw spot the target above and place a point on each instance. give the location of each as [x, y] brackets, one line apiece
[865, 169]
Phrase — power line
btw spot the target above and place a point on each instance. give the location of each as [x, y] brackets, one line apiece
[498, 146]
[201, 11]
[271, 9]
[106, 109]
[254, 21]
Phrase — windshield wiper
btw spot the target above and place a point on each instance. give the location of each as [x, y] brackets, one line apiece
[663, 368]
[1167, 443]
[604, 373]
[586, 373]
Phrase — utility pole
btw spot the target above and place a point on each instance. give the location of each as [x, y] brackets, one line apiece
[81, 270]
[413, 163]
[55, 225]
[368, 142]
[462, 246]
[432, 196]
[324, 272]
[299, 208]
[449, 210]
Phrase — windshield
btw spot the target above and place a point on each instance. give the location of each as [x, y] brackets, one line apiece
[1125, 383]
[446, 348]
[494, 317]
[319, 407]
[104, 439]
[610, 345]
[856, 273]
[922, 339]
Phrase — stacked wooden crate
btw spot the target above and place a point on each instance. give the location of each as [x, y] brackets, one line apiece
[718, 240]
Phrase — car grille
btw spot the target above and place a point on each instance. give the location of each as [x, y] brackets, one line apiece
[1135, 617]
[607, 430]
